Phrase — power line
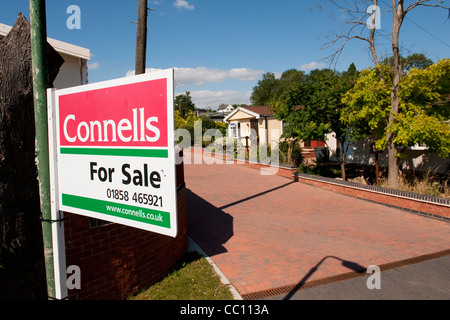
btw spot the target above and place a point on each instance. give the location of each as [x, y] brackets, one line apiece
[422, 28]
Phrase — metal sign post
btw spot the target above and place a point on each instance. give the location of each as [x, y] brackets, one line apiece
[54, 261]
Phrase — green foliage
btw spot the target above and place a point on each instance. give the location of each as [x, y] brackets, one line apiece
[221, 126]
[416, 60]
[179, 121]
[319, 95]
[191, 118]
[269, 89]
[190, 129]
[260, 153]
[319, 169]
[199, 126]
[423, 111]
[227, 144]
[367, 105]
[293, 156]
[265, 90]
[183, 103]
[311, 108]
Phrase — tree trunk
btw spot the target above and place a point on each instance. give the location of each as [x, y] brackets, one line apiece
[289, 152]
[344, 177]
[398, 73]
[23, 276]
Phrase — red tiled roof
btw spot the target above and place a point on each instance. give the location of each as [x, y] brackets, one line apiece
[266, 110]
[261, 110]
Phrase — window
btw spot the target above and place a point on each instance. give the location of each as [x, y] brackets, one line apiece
[235, 130]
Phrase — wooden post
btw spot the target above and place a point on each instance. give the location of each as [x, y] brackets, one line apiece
[377, 170]
[141, 38]
[376, 153]
[247, 150]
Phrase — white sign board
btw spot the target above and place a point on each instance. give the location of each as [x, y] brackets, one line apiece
[115, 151]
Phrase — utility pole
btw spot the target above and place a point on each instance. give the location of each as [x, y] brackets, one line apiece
[38, 30]
[141, 38]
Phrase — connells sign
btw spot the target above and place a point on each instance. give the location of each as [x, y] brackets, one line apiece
[114, 151]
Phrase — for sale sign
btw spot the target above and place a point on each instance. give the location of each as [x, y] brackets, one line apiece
[115, 152]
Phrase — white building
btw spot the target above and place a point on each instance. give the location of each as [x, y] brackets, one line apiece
[74, 70]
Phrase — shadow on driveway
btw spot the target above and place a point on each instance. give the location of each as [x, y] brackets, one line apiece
[208, 225]
[348, 264]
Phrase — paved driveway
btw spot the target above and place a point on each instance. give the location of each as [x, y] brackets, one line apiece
[266, 231]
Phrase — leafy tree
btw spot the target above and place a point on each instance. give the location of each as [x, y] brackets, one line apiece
[266, 89]
[183, 103]
[320, 97]
[423, 115]
[357, 26]
[288, 80]
[270, 89]
[179, 121]
[415, 60]
[286, 109]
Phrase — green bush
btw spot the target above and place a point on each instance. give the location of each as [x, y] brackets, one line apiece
[319, 169]
[190, 129]
[227, 144]
[207, 140]
[297, 153]
[255, 153]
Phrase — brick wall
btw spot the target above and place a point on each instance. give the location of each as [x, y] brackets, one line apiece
[117, 261]
[421, 206]
[403, 200]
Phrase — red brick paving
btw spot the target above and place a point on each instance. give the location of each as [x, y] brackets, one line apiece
[266, 231]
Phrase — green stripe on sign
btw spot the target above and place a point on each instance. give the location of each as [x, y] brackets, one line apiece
[151, 153]
[148, 216]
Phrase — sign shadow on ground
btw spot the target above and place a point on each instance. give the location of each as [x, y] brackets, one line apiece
[209, 226]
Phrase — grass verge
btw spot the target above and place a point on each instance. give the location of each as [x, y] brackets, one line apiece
[192, 278]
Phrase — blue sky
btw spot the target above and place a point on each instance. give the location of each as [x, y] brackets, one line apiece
[220, 49]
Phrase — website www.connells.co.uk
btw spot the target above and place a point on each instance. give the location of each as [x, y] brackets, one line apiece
[139, 213]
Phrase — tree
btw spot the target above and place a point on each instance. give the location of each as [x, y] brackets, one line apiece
[359, 20]
[178, 120]
[269, 90]
[423, 116]
[288, 80]
[320, 96]
[286, 109]
[264, 92]
[415, 60]
[183, 103]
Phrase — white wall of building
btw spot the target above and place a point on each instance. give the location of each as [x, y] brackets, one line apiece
[74, 71]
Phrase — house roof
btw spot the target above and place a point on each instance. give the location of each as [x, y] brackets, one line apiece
[222, 107]
[60, 47]
[260, 110]
[257, 111]
[254, 111]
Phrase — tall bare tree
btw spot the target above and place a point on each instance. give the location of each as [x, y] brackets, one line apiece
[358, 27]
